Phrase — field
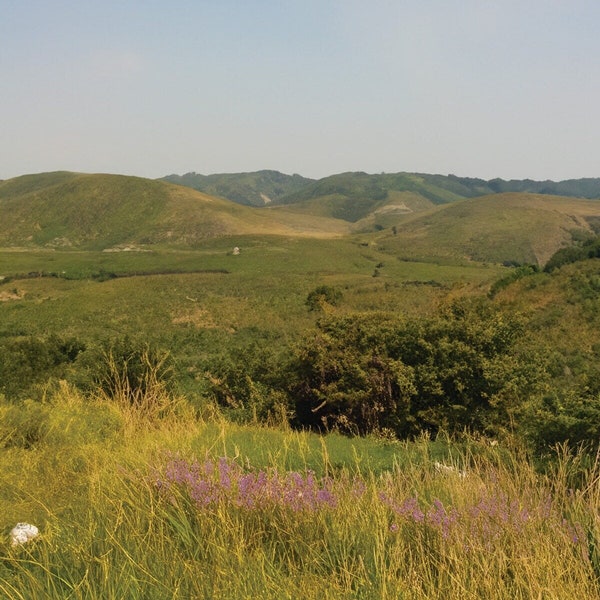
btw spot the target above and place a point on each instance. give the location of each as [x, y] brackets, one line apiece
[157, 395]
[196, 507]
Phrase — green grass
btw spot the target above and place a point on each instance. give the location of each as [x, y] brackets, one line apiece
[485, 524]
[520, 228]
[96, 212]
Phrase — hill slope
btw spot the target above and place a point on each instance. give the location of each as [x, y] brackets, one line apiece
[514, 228]
[358, 196]
[101, 211]
[252, 189]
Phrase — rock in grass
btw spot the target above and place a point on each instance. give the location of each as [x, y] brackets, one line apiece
[22, 533]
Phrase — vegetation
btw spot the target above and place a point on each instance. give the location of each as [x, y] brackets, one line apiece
[589, 248]
[180, 420]
[118, 213]
[351, 196]
[185, 507]
[252, 189]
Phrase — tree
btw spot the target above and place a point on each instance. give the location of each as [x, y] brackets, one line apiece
[453, 371]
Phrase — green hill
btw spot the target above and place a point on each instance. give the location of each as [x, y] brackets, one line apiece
[102, 211]
[510, 228]
[371, 198]
[252, 189]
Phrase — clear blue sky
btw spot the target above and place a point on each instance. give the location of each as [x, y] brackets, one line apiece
[481, 88]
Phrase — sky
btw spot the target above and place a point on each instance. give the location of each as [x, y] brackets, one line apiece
[477, 88]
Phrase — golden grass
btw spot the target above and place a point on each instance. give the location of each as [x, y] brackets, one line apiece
[484, 524]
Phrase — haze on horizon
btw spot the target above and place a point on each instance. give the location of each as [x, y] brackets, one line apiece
[481, 89]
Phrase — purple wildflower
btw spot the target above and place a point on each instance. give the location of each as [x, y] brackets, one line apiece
[225, 481]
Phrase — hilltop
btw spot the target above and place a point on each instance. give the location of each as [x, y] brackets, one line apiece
[354, 196]
[98, 211]
[251, 189]
[512, 228]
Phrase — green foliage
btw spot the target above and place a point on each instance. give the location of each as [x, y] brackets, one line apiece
[571, 418]
[518, 273]
[130, 371]
[454, 371]
[590, 248]
[29, 361]
[322, 296]
[246, 380]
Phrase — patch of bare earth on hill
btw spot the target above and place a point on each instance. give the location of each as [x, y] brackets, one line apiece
[196, 316]
[7, 296]
[393, 208]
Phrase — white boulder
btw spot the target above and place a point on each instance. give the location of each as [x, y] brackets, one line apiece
[22, 533]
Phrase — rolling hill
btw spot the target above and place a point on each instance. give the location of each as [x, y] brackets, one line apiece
[357, 196]
[252, 189]
[510, 228]
[429, 222]
[101, 211]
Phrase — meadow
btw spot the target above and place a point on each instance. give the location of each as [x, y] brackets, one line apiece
[131, 504]
[389, 414]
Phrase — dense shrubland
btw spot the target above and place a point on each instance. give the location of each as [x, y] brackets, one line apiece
[475, 365]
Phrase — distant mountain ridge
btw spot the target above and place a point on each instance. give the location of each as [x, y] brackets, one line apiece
[353, 196]
[251, 189]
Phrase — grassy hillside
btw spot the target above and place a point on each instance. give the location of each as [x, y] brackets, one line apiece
[252, 189]
[513, 228]
[353, 196]
[64, 210]
[130, 505]
[356, 196]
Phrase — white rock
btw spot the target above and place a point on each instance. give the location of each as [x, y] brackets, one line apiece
[22, 533]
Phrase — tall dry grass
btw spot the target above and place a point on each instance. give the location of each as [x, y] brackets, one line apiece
[173, 510]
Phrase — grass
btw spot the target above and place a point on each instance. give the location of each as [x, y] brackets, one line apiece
[121, 502]
[524, 228]
[96, 212]
[209, 290]
[421, 519]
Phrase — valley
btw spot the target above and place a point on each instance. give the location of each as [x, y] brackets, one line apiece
[309, 381]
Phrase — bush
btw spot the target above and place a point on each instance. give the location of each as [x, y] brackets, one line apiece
[249, 381]
[590, 248]
[518, 273]
[454, 371]
[323, 296]
[135, 374]
[27, 362]
[561, 418]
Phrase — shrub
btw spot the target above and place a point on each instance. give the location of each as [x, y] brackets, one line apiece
[29, 361]
[323, 296]
[135, 374]
[453, 371]
[561, 418]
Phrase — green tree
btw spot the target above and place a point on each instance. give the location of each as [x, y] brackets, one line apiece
[454, 371]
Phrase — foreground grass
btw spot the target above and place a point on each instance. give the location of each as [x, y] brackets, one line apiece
[190, 506]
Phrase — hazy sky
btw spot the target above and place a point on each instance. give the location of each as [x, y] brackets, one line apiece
[480, 88]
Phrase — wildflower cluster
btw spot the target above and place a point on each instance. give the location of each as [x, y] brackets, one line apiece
[409, 509]
[224, 481]
[481, 523]
[484, 522]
